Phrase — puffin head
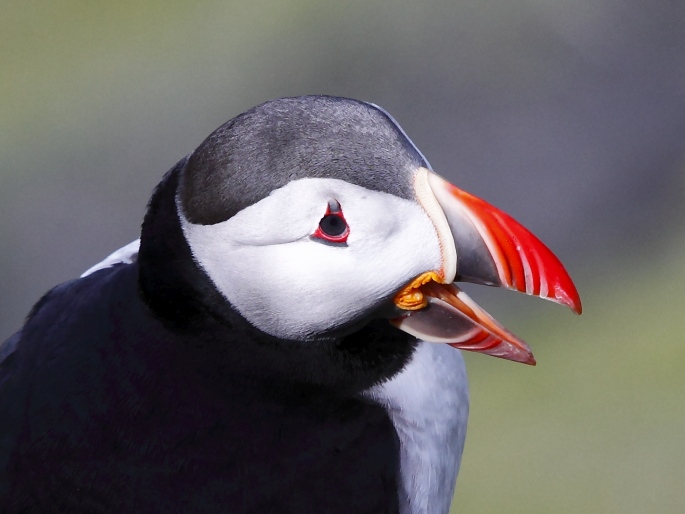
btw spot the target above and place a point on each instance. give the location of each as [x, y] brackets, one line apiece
[314, 216]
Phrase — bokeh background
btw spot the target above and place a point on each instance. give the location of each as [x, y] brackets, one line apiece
[568, 114]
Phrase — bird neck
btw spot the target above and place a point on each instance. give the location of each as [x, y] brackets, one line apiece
[171, 283]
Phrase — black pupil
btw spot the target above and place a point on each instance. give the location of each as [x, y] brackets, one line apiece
[332, 225]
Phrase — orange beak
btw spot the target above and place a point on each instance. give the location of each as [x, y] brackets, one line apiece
[484, 245]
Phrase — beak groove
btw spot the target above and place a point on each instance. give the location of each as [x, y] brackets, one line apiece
[483, 245]
[517, 259]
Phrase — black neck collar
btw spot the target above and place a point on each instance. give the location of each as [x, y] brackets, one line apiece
[184, 299]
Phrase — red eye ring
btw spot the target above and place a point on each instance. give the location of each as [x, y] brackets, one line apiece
[333, 227]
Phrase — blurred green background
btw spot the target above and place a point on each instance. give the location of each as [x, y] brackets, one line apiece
[568, 114]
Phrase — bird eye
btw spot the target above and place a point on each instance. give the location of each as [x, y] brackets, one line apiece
[333, 227]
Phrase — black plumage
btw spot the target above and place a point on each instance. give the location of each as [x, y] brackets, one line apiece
[243, 361]
[139, 389]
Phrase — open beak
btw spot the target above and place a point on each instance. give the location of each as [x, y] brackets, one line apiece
[480, 244]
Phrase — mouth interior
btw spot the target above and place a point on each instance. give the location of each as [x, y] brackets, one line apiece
[441, 313]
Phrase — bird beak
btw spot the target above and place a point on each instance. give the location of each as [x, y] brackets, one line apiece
[483, 245]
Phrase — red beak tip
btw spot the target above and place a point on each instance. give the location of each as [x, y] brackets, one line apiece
[571, 301]
[574, 305]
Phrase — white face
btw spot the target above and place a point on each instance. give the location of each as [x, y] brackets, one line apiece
[289, 284]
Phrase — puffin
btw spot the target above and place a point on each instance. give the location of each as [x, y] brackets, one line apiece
[284, 337]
